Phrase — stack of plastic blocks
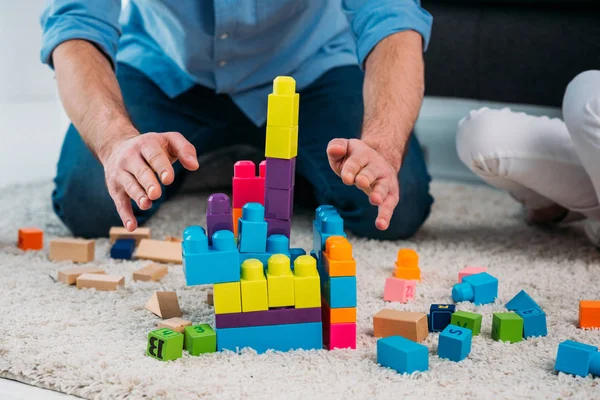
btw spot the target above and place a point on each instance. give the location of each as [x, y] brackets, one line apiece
[247, 188]
[403, 285]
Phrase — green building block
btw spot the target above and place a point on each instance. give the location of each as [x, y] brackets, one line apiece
[507, 327]
[200, 339]
[467, 320]
[165, 344]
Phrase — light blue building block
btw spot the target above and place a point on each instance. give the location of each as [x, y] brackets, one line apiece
[577, 359]
[455, 343]
[479, 288]
[402, 355]
[534, 322]
[252, 231]
[340, 292]
[328, 222]
[276, 244]
[204, 264]
[306, 336]
[521, 301]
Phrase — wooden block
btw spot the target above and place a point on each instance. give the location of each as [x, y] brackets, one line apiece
[119, 232]
[176, 324]
[69, 275]
[210, 299]
[164, 304]
[411, 325]
[76, 250]
[159, 251]
[100, 281]
[152, 272]
[173, 239]
[30, 239]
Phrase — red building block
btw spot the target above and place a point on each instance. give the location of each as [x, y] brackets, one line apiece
[247, 187]
[31, 239]
[339, 336]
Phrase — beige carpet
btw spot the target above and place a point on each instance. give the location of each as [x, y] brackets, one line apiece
[92, 344]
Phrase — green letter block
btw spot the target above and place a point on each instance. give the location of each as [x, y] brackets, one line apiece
[467, 320]
[200, 339]
[507, 327]
[165, 344]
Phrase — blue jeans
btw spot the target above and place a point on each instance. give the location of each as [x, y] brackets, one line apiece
[331, 107]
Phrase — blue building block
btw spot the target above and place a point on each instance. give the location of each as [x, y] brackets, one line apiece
[262, 257]
[340, 292]
[204, 264]
[534, 322]
[402, 355]
[328, 222]
[479, 288]
[577, 359]
[455, 343]
[306, 336]
[295, 253]
[276, 244]
[122, 249]
[439, 316]
[252, 228]
[521, 301]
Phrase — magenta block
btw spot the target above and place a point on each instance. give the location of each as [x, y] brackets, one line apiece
[281, 316]
[399, 290]
[278, 227]
[279, 203]
[280, 173]
[470, 271]
[339, 336]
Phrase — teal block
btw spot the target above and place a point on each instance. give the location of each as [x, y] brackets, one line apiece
[306, 336]
[534, 322]
[521, 301]
[252, 229]
[295, 253]
[327, 222]
[479, 288]
[402, 355]
[455, 343]
[340, 292]
[577, 359]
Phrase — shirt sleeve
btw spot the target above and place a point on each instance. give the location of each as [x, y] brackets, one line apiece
[374, 20]
[95, 21]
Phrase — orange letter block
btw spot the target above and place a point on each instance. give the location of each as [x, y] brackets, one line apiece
[31, 239]
[337, 257]
[407, 265]
[589, 314]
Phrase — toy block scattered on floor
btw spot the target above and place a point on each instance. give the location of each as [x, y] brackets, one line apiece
[507, 327]
[30, 239]
[339, 336]
[70, 275]
[281, 173]
[119, 232]
[277, 316]
[100, 281]
[327, 222]
[577, 359]
[218, 215]
[440, 316]
[337, 315]
[165, 344]
[455, 343]
[307, 284]
[337, 257]
[589, 314]
[521, 301]
[159, 251]
[252, 234]
[247, 186]
[411, 325]
[480, 289]
[468, 271]
[210, 299]
[402, 355]
[399, 290]
[152, 272]
[227, 297]
[122, 249]
[407, 265]
[204, 264]
[254, 286]
[176, 324]
[200, 339]
[468, 320]
[164, 304]
[236, 215]
[534, 322]
[76, 250]
[280, 281]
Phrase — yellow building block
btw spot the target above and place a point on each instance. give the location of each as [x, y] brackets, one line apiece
[407, 265]
[283, 103]
[254, 286]
[307, 286]
[281, 142]
[227, 298]
[280, 281]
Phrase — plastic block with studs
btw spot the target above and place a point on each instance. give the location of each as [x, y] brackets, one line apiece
[118, 232]
[122, 249]
[247, 186]
[480, 289]
[340, 292]
[455, 343]
[340, 336]
[534, 322]
[283, 104]
[278, 227]
[236, 215]
[468, 320]
[176, 324]
[280, 281]
[280, 173]
[589, 314]
[440, 316]
[204, 264]
[402, 355]
[254, 286]
[399, 290]
[165, 344]
[164, 304]
[507, 327]
[281, 142]
[337, 257]
[277, 316]
[306, 336]
[30, 239]
[262, 257]
[218, 215]
[227, 298]
[252, 235]
[307, 286]
[278, 244]
[577, 359]
[337, 315]
[328, 222]
[521, 301]
[411, 325]
[200, 339]
[76, 250]
[295, 253]
[407, 265]
[467, 271]
[279, 203]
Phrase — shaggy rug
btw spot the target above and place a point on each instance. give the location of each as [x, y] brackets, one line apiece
[92, 344]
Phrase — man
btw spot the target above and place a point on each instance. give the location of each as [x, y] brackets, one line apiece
[193, 76]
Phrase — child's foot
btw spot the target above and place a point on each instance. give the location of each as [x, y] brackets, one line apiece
[548, 215]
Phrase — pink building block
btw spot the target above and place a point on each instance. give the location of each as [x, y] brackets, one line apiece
[470, 271]
[399, 290]
[247, 187]
[340, 336]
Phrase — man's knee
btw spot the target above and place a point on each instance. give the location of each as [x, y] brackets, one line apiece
[581, 103]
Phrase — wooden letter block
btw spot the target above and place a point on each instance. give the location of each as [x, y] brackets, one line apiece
[200, 339]
[76, 250]
[589, 314]
[411, 325]
[152, 272]
[119, 232]
[164, 304]
[159, 251]
[176, 324]
[165, 344]
[100, 281]
[30, 239]
[69, 275]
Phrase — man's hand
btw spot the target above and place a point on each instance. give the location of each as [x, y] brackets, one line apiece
[359, 164]
[132, 163]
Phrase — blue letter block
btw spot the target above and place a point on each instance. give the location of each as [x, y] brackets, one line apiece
[328, 222]
[522, 301]
[253, 229]
[534, 322]
[577, 359]
[122, 249]
[340, 292]
[305, 336]
[402, 355]
[479, 288]
[440, 316]
[219, 263]
[455, 343]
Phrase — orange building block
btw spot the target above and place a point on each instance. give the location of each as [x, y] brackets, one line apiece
[337, 315]
[30, 239]
[589, 314]
[337, 257]
[407, 265]
[236, 215]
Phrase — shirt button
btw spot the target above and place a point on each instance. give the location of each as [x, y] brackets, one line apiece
[222, 63]
[224, 36]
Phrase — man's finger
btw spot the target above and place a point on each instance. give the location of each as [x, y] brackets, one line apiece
[157, 158]
[379, 192]
[179, 147]
[134, 190]
[145, 177]
[337, 149]
[352, 167]
[386, 210]
[367, 177]
[123, 205]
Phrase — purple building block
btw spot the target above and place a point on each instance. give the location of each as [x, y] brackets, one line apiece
[279, 203]
[281, 174]
[278, 227]
[281, 316]
[218, 214]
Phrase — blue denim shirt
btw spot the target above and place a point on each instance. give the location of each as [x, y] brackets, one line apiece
[235, 47]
